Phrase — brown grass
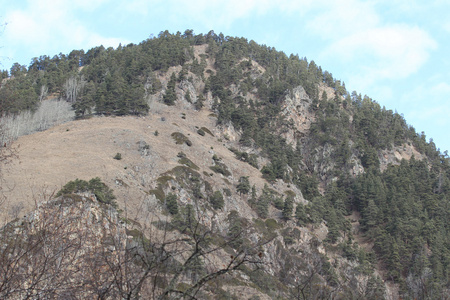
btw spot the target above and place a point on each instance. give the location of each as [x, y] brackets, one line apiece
[85, 149]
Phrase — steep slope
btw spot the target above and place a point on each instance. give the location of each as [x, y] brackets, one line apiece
[240, 134]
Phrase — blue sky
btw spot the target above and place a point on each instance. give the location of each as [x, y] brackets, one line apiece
[394, 51]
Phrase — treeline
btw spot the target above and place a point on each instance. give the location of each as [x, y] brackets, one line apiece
[398, 206]
[105, 81]
[403, 209]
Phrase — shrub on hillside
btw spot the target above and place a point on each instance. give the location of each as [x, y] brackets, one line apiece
[101, 191]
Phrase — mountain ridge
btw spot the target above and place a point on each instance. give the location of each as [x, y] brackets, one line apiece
[237, 128]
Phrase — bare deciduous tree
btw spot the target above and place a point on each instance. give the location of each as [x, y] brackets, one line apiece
[48, 114]
[74, 247]
[43, 93]
[73, 86]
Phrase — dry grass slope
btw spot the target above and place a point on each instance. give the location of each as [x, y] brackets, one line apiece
[86, 148]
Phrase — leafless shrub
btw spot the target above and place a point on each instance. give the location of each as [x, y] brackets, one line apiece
[73, 247]
[43, 93]
[50, 113]
[73, 87]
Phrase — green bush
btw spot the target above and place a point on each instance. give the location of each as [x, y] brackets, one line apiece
[217, 200]
[95, 186]
[171, 204]
[118, 156]
[220, 168]
[181, 139]
[207, 131]
[187, 162]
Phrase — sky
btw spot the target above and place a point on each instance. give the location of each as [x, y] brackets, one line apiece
[395, 51]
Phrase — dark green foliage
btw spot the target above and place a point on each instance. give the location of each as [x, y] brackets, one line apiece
[219, 166]
[187, 162]
[201, 132]
[333, 227]
[251, 159]
[404, 210]
[115, 77]
[262, 207]
[262, 204]
[95, 186]
[235, 229]
[200, 102]
[308, 185]
[187, 96]
[243, 186]
[171, 203]
[227, 192]
[398, 209]
[170, 96]
[180, 139]
[17, 95]
[300, 215]
[278, 203]
[118, 156]
[207, 131]
[288, 208]
[216, 200]
[185, 220]
[158, 193]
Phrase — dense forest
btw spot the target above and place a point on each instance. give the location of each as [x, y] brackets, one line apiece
[404, 208]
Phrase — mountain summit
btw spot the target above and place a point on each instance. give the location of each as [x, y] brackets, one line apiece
[213, 168]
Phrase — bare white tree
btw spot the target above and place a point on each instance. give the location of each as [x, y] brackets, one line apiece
[73, 87]
[43, 93]
[73, 247]
[50, 113]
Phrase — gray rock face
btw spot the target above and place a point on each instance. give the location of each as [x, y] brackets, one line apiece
[296, 109]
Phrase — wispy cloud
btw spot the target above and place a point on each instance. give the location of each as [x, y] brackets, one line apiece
[51, 24]
[341, 18]
[354, 31]
[392, 52]
[220, 13]
[435, 109]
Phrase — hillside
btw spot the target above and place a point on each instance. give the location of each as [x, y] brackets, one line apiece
[235, 147]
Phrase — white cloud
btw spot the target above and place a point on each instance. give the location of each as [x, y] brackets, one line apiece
[391, 52]
[435, 109]
[220, 13]
[45, 25]
[341, 18]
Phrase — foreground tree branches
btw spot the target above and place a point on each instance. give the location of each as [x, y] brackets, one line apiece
[76, 247]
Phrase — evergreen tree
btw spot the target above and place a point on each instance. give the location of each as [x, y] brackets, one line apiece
[288, 208]
[243, 186]
[216, 200]
[171, 204]
[170, 96]
[300, 215]
[333, 226]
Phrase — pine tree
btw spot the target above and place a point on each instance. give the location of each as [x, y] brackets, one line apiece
[235, 229]
[170, 96]
[243, 186]
[171, 204]
[300, 215]
[333, 227]
[217, 200]
[288, 208]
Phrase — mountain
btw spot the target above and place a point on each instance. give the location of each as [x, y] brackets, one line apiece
[231, 171]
